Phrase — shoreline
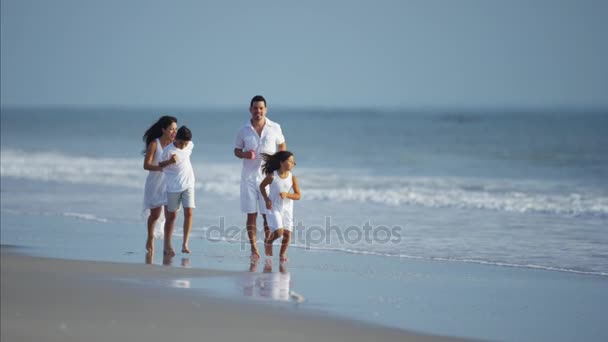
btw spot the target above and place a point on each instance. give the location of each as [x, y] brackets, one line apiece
[71, 300]
[430, 297]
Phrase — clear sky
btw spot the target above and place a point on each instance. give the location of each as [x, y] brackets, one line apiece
[376, 53]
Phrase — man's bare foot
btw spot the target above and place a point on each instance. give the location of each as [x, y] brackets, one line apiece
[267, 248]
[169, 252]
[185, 249]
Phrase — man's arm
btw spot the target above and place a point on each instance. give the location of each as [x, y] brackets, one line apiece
[281, 140]
[238, 152]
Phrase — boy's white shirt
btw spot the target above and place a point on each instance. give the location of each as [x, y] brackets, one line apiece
[179, 176]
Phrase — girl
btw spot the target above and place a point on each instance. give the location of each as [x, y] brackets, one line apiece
[279, 203]
[156, 138]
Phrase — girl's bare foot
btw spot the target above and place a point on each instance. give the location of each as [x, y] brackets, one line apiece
[267, 248]
[169, 252]
[283, 258]
[185, 249]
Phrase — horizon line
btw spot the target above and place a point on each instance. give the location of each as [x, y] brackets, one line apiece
[424, 108]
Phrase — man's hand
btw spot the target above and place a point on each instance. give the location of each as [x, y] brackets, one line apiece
[249, 154]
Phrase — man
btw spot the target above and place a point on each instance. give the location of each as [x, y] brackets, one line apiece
[259, 135]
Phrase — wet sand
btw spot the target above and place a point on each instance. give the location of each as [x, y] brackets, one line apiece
[45, 299]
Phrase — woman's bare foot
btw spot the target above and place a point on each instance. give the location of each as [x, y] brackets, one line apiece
[185, 249]
[149, 258]
[253, 265]
[267, 248]
[150, 246]
[283, 258]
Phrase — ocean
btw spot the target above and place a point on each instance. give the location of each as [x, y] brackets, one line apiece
[522, 189]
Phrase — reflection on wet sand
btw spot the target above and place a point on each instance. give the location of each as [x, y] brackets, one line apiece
[167, 260]
[269, 285]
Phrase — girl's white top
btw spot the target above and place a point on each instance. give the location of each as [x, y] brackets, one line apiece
[277, 186]
[155, 190]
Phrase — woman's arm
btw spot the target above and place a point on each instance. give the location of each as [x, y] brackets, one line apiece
[149, 157]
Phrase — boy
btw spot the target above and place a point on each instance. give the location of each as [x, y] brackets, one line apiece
[179, 176]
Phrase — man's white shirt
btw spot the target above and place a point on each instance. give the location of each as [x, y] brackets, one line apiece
[248, 139]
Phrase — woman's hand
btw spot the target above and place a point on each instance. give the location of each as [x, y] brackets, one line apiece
[284, 195]
[268, 203]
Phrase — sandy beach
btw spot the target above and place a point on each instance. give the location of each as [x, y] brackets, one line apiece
[45, 299]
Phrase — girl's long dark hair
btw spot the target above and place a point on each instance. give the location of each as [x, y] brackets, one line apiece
[156, 131]
[273, 161]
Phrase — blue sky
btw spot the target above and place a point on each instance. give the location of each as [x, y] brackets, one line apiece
[451, 53]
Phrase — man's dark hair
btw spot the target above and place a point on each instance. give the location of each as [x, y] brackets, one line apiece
[258, 98]
[183, 133]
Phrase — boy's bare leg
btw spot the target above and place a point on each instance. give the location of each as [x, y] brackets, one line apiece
[284, 245]
[187, 229]
[152, 218]
[251, 233]
[169, 222]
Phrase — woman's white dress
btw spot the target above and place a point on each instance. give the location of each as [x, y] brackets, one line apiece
[155, 190]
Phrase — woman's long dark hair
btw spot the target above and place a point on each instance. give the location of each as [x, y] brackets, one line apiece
[273, 161]
[156, 131]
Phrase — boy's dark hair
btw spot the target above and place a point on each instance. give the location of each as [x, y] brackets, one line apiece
[258, 98]
[183, 133]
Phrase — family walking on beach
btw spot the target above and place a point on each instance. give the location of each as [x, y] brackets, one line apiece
[267, 184]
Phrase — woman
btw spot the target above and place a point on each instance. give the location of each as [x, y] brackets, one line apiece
[156, 138]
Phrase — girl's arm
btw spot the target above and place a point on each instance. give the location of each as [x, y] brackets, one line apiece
[263, 185]
[149, 156]
[296, 190]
